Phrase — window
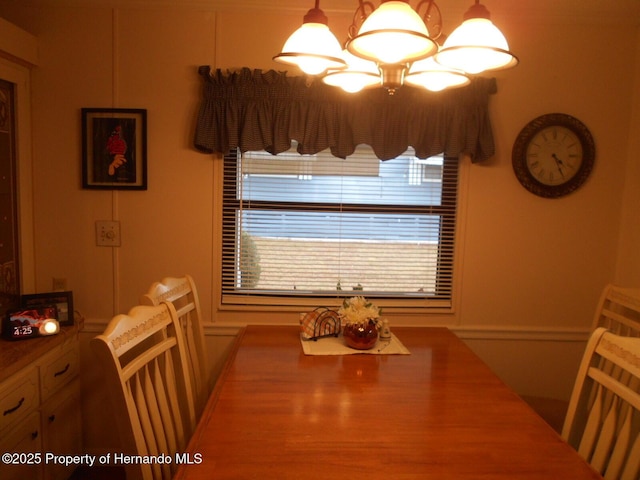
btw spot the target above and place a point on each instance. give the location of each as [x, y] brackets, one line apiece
[298, 227]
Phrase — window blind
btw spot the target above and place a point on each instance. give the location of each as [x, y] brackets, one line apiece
[300, 227]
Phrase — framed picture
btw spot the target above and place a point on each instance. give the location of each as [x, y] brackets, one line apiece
[114, 148]
[63, 301]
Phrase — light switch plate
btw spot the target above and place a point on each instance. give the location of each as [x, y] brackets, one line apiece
[107, 233]
[59, 284]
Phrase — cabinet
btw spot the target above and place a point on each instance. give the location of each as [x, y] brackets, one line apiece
[40, 406]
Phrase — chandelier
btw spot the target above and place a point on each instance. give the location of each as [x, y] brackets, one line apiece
[395, 44]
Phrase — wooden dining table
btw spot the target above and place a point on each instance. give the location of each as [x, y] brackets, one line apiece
[436, 413]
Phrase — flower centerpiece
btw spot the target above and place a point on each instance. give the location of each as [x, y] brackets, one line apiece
[360, 322]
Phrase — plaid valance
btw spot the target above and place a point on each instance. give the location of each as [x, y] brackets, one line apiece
[255, 110]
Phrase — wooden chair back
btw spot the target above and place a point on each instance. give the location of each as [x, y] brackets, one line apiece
[144, 361]
[603, 419]
[619, 311]
[182, 293]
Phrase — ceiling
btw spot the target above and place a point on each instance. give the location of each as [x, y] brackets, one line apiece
[552, 11]
[576, 7]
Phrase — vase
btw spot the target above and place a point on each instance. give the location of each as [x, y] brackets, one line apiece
[361, 336]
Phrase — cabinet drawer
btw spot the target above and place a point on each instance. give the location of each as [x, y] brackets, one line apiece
[24, 438]
[57, 370]
[62, 428]
[18, 397]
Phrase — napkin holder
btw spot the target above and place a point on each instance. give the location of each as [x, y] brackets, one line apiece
[320, 322]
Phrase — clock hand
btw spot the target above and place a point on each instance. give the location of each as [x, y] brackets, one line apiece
[559, 163]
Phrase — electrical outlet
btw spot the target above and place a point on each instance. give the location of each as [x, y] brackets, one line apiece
[59, 284]
[107, 233]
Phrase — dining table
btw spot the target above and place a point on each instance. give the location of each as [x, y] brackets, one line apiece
[433, 411]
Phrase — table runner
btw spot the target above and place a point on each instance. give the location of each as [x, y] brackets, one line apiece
[336, 346]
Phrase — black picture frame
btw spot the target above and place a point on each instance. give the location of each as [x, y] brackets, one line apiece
[62, 300]
[114, 148]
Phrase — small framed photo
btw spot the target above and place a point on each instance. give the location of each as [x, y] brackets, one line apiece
[63, 301]
[114, 148]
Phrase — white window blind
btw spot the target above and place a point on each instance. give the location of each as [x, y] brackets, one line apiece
[308, 226]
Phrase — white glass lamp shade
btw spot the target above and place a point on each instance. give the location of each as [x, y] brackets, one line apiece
[49, 326]
[359, 74]
[476, 46]
[393, 33]
[313, 49]
[434, 77]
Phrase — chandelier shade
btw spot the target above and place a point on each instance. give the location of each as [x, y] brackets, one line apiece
[313, 47]
[477, 45]
[394, 33]
[435, 77]
[359, 74]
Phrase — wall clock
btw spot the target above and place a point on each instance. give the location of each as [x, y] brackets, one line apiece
[553, 155]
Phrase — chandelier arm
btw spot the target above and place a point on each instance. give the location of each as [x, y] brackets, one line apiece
[431, 17]
[365, 8]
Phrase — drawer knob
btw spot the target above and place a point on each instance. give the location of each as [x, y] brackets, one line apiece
[11, 410]
[34, 435]
[63, 371]
[52, 418]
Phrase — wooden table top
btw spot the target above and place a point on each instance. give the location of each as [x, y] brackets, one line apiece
[439, 413]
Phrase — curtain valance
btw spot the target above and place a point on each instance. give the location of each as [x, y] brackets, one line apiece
[256, 110]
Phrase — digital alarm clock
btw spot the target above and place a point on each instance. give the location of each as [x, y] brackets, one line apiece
[26, 323]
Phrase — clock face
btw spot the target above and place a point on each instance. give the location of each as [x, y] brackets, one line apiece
[553, 155]
[23, 331]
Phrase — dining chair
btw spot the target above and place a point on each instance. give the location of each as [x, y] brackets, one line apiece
[144, 361]
[182, 294]
[603, 418]
[619, 310]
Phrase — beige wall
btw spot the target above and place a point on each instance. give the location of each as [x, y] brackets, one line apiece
[530, 269]
[628, 267]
